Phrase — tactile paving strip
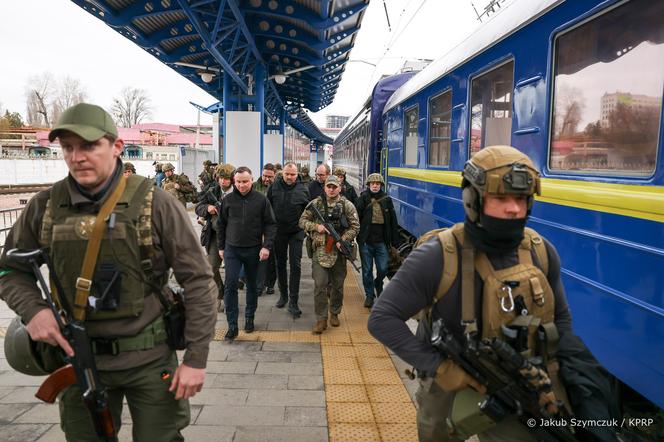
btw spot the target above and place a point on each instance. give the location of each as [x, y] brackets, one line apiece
[346, 393]
[391, 394]
[397, 432]
[349, 412]
[353, 432]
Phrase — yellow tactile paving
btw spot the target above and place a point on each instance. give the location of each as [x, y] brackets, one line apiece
[392, 394]
[366, 399]
[346, 393]
[397, 432]
[353, 432]
[349, 412]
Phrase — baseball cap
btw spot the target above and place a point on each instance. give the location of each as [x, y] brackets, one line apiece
[332, 179]
[88, 121]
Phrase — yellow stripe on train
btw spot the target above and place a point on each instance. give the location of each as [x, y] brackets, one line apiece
[646, 202]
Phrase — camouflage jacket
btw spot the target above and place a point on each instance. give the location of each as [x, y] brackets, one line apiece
[205, 179]
[309, 221]
[185, 193]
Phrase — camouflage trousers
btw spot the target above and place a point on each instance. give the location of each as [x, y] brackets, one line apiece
[153, 408]
[334, 278]
[434, 406]
[215, 262]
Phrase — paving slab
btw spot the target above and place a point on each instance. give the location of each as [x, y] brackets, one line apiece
[306, 417]
[281, 434]
[291, 346]
[290, 368]
[303, 398]
[306, 383]
[220, 396]
[241, 415]
[24, 432]
[209, 433]
[8, 413]
[251, 381]
[246, 367]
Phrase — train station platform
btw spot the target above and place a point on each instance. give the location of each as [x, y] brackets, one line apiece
[279, 383]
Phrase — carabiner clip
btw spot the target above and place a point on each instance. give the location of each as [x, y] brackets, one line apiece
[511, 298]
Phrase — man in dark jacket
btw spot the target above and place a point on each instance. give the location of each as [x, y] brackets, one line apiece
[316, 187]
[288, 196]
[267, 274]
[245, 237]
[347, 190]
[378, 231]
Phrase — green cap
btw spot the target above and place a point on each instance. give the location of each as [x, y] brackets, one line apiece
[332, 179]
[88, 121]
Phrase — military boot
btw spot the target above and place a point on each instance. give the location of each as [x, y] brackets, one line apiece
[320, 327]
[232, 332]
[378, 284]
[293, 308]
[283, 299]
[368, 301]
[334, 320]
[249, 325]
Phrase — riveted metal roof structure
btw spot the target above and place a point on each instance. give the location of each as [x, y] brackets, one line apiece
[303, 45]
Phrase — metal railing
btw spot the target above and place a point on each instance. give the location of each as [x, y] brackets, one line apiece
[7, 219]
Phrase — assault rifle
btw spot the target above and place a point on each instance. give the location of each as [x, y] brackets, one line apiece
[498, 367]
[345, 247]
[80, 369]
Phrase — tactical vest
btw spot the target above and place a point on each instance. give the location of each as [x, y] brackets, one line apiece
[516, 301]
[336, 216]
[127, 248]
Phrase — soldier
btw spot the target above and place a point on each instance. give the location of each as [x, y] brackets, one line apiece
[499, 184]
[288, 197]
[378, 232]
[178, 185]
[278, 169]
[159, 174]
[329, 266]
[128, 169]
[128, 337]
[268, 269]
[206, 177]
[245, 237]
[316, 186]
[347, 190]
[304, 175]
[208, 209]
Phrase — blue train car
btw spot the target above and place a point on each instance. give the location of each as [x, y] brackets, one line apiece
[577, 85]
[359, 145]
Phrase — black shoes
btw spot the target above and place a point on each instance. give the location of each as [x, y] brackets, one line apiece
[378, 284]
[281, 302]
[249, 325]
[368, 302]
[232, 333]
[240, 284]
[294, 310]
[269, 290]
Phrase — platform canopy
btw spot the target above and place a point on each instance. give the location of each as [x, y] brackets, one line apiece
[303, 45]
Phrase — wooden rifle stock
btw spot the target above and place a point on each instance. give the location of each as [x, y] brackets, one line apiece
[60, 379]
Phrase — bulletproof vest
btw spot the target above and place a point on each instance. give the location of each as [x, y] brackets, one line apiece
[123, 267]
[336, 216]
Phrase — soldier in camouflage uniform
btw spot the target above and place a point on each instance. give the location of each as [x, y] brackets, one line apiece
[304, 175]
[178, 185]
[206, 178]
[329, 266]
[129, 169]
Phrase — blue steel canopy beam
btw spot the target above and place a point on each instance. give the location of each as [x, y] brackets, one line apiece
[305, 41]
[205, 36]
[292, 10]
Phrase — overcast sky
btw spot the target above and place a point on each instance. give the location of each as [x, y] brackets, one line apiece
[60, 37]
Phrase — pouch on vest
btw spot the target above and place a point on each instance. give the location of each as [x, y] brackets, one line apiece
[466, 418]
[174, 320]
[106, 287]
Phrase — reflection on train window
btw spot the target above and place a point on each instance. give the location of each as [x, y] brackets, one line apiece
[440, 113]
[411, 118]
[491, 108]
[609, 75]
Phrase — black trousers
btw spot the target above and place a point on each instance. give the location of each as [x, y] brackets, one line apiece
[267, 272]
[288, 247]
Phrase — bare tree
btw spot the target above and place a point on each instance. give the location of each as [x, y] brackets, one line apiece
[131, 107]
[69, 93]
[570, 104]
[40, 95]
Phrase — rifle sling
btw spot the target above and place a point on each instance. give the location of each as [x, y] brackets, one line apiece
[468, 317]
[84, 281]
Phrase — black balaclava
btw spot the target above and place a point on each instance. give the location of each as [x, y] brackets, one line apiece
[495, 235]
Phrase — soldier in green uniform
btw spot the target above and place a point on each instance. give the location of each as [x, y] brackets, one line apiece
[304, 175]
[206, 177]
[128, 169]
[347, 190]
[329, 266]
[178, 185]
[128, 336]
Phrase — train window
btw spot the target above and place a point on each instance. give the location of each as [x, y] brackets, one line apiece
[491, 108]
[607, 93]
[440, 114]
[410, 154]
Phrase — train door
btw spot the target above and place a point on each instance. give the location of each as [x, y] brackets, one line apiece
[384, 152]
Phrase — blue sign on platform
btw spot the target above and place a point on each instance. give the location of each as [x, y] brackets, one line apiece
[183, 151]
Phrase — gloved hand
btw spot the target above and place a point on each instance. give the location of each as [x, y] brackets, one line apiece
[451, 377]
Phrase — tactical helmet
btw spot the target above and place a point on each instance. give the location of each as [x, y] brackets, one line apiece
[501, 170]
[338, 171]
[166, 167]
[305, 170]
[20, 350]
[129, 166]
[375, 178]
[224, 171]
[207, 163]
